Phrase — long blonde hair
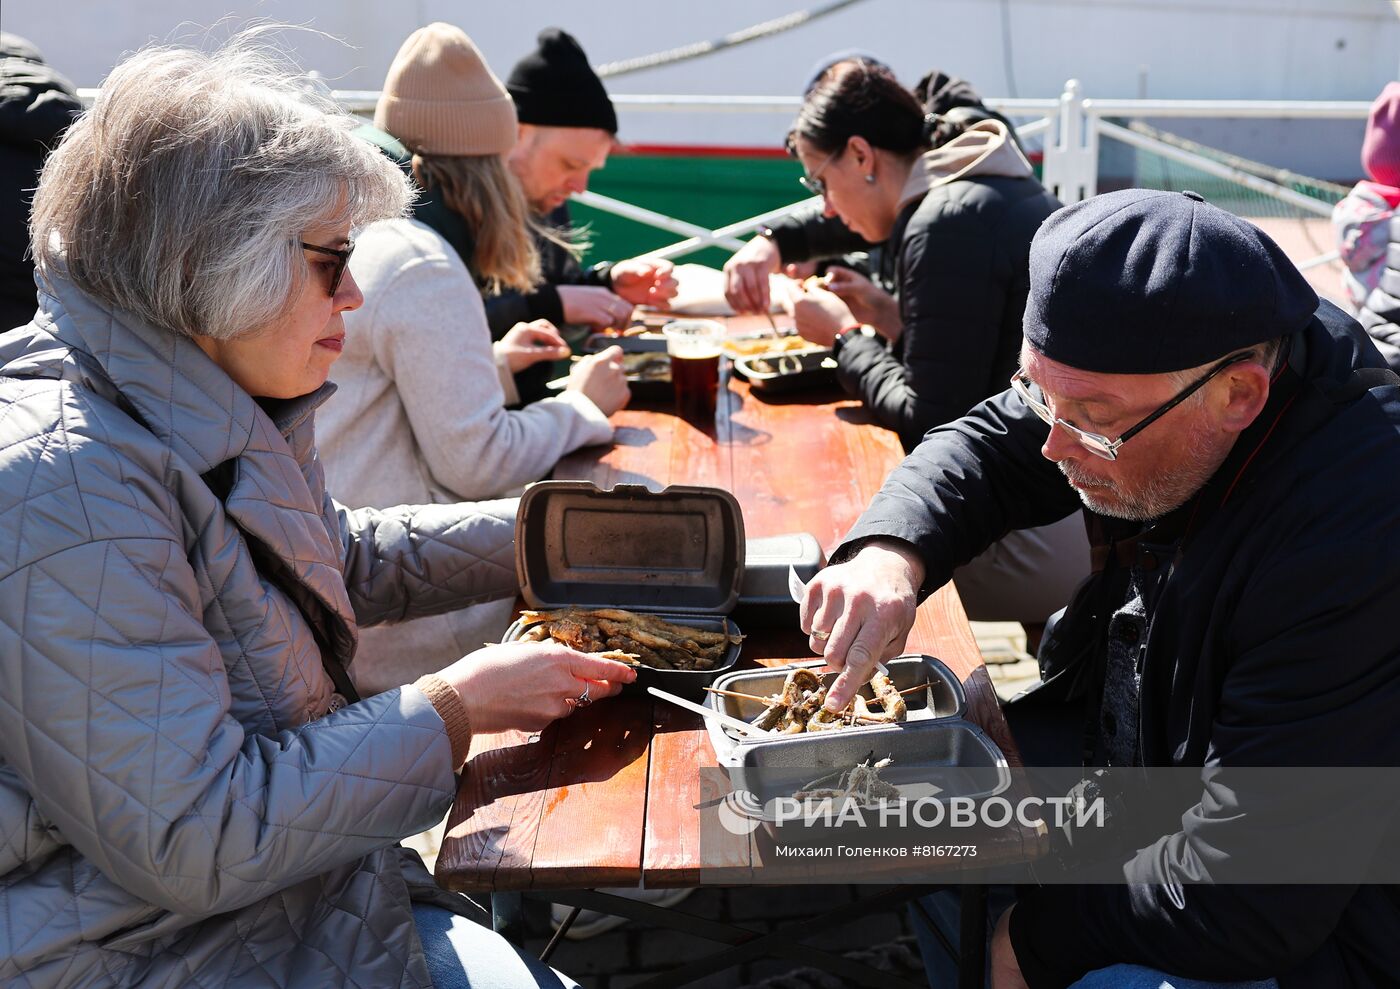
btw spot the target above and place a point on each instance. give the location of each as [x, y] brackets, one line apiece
[483, 192]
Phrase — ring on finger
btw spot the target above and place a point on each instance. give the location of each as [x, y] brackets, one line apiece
[823, 636]
[582, 700]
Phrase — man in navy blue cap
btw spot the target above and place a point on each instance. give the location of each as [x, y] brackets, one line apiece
[1235, 449]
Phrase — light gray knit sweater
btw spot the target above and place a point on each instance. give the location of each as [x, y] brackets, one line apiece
[420, 418]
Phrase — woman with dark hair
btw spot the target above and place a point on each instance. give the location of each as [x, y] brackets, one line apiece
[958, 218]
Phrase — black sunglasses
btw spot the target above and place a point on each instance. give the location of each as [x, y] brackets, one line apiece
[342, 260]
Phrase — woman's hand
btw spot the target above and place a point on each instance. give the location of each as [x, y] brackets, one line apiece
[526, 685]
[593, 305]
[819, 314]
[746, 275]
[526, 344]
[868, 302]
[644, 281]
[601, 380]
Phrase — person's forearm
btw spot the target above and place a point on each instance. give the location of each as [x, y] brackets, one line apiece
[202, 815]
[965, 486]
[810, 236]
[448, 704]
[418, 560]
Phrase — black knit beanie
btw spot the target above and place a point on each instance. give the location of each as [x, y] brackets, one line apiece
[554, 86]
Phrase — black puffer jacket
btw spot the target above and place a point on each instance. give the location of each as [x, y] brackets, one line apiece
[1273, 643]
[962, 278]
[36, 106]
[952, 106]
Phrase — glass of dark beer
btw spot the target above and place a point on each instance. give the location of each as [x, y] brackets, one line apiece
[694, 346]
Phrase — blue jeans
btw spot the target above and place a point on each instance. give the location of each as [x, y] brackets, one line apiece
[1137, 977]
[942, 970]
[464, 955]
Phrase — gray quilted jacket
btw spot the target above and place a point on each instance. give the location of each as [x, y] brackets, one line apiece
[181, 801]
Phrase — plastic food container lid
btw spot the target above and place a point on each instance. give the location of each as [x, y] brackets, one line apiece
[676, 550]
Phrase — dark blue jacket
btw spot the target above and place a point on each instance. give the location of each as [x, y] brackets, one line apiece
[1275, 642]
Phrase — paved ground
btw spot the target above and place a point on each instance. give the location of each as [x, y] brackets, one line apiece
[1003, 648]
[1302, 240]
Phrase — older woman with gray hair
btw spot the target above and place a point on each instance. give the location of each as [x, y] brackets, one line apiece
[190, 792]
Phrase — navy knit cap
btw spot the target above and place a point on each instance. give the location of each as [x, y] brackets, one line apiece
[554, 86]
[1144, 282]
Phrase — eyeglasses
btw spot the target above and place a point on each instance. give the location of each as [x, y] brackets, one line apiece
[812, 183]
[342, 260]
[1101, 445]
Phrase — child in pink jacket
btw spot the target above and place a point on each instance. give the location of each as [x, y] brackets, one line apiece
[1368, 229]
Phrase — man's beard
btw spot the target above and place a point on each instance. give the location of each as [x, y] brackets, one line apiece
[1158, 495]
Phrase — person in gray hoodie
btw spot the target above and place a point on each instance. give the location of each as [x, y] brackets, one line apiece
[191, 791]
[959, 218]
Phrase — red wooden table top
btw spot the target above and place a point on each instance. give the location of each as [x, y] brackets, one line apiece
[606, 797]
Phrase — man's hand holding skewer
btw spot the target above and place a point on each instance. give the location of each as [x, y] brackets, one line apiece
[859, 613]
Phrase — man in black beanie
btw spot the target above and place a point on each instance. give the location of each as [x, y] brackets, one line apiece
[1234, 446]
[567, 128]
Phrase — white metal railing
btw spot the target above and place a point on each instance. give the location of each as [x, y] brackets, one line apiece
[738, 227]
[1071, 150]
[1274, 109]
[1071, 128]
[1247, 179]
[650, 217]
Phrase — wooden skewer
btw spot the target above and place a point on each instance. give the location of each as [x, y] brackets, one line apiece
[765, 700]
[735, 693]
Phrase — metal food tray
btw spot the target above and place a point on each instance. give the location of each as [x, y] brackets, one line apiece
[935, 759]
[940, 758]
[798, 369]
[644, 387]
[944, 699]
[689, 684]
[647, 342]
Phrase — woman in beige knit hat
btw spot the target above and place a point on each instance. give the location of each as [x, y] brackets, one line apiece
[421, 415]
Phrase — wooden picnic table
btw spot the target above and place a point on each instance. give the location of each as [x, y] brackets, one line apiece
[606, 797]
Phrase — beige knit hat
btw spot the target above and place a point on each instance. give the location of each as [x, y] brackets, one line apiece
[441, 98]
